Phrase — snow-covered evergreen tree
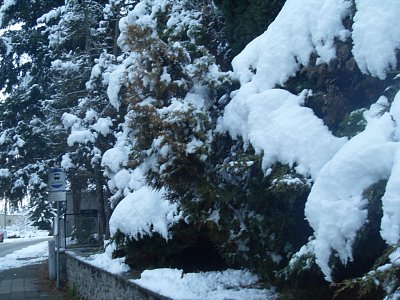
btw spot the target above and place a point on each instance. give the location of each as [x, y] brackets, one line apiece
[29, 140]
[90, 119]
[171, 87]
[337, 83]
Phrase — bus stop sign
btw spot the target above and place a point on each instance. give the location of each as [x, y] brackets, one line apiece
[57, 182]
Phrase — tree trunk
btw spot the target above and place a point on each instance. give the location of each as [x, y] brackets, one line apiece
[87, 34]
[116, 35]
[76, 188]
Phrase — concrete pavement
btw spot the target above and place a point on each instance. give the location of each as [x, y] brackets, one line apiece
[28, 283]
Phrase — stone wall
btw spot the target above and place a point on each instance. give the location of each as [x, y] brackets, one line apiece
[93, 283]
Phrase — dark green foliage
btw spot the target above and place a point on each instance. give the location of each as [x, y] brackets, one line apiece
[28, 146]
[391, 91]
[28, 12]
[352, 124]
[379, 283]
[338, 90]
[41, 210]
[303, 277]
[261, 220]
[368, 249]
[368, 246]
[302, 280]
[188, 249]
[254, 221]
[24, 43]
[247, 19]
[361, 289]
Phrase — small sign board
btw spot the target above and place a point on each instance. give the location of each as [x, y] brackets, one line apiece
[57, 185]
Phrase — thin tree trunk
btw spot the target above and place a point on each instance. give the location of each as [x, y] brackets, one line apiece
[76, 188]
[116, 35]
[87, 34]
[76, 196]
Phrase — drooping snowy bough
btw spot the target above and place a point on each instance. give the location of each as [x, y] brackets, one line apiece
[277, 124]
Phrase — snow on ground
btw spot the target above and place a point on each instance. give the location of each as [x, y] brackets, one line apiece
[27, 256]
[228, 284]
[104, 260]
[22, 232]
[174, 283]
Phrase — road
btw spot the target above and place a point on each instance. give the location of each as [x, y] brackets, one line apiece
[8, 247]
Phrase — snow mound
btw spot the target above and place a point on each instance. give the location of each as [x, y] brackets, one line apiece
[376, 36]
[263, 120]
[105, 261]
[301, 28]
[144, 212]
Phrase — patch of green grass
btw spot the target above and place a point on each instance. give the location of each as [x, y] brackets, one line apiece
[72, 293]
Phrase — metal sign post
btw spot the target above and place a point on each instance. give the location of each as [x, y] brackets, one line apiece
[5, 217]
[57, 192]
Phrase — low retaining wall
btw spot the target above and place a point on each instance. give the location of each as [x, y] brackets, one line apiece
[93, 283]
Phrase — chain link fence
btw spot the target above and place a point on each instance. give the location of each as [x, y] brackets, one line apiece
[81, 231]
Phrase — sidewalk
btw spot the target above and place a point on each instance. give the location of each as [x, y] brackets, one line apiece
[29, 283]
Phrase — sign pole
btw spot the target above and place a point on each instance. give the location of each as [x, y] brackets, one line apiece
[5, 216]
[57, 192]
[58, 281]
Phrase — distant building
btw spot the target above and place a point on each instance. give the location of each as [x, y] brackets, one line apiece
[88, 204]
